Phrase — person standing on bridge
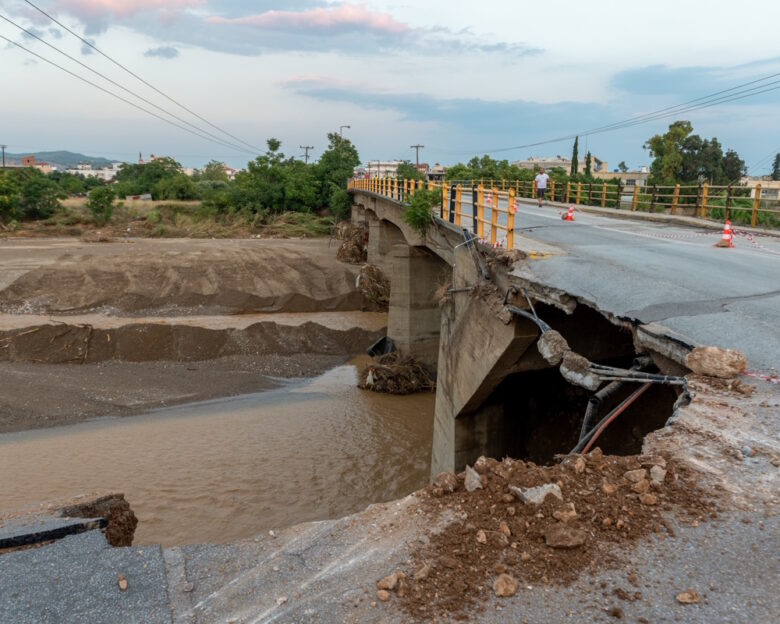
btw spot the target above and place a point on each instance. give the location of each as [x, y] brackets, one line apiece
[541, 184]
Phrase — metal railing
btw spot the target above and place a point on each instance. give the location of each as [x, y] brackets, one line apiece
[705, 201]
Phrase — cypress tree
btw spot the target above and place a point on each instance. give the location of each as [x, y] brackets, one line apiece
[776, 168]
[575, 157]
[588, 165]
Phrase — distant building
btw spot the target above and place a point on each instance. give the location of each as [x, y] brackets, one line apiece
[628, 178]
[553, 162]
[382, 168]
[43, 167]
[103, 173]
[770, 189]
[436, 173]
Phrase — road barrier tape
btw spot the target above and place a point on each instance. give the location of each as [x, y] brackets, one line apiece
[770, 378]
[755, 243]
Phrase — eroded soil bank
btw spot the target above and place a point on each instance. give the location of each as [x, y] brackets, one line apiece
[114, 329]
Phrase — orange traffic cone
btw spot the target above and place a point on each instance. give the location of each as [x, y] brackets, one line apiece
[727, 240]
[569, 216]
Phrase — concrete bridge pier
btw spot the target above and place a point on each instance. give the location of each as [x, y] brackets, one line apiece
[414, 320]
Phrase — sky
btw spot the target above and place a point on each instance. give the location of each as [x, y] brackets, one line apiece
[460, 78]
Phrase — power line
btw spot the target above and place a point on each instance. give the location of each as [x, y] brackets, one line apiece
[306, 149]
[417, 149]
[119, 97]
[685, 107]
[137, 77]
[113, 82]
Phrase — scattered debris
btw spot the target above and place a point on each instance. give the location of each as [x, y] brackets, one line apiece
[281, 600]
[690, 596]
[354, 244]
[395, 374]
[716, 362]
[472, 481]
[121, 581]
[374, 286]
[568, 521]
[96, 236]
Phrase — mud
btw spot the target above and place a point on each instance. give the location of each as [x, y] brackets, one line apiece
[145, 342]
[114, 508]
[175, 277]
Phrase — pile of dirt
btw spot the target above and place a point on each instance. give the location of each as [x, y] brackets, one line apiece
[121, 521]
[716, 362]
[374, 286]
[517, 523]
[354, 246]
[395, 374]
[182, 277]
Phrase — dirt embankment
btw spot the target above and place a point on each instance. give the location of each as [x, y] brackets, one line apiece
[177, 277]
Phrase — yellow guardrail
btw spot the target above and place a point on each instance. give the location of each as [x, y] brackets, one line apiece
[738, 203]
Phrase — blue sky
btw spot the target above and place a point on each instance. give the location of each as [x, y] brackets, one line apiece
[460, 78]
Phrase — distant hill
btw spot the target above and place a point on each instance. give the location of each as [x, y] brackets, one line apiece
[61, 159]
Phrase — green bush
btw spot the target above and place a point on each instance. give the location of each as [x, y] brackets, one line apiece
[418, 209]
[101, 204]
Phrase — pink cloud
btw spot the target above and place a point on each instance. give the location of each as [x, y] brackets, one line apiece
[331, 18]
[93, 9]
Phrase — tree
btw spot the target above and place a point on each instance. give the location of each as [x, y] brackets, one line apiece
[214, 171]
[622, 166]
[39, 195]
[667, 152]
[10, 195]
[407, 171]
[101, 203]
[588, 165]
[733, 167]
[776, 168]
[575, 157]
[335, 167]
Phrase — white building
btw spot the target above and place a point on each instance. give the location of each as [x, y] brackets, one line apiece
[104, 173]
[552, 162]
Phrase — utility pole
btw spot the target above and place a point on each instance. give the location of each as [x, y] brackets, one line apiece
[341, 130]
[306, 149]
[3, 147]
[417, 149]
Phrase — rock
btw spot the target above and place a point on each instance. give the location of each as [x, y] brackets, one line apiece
[536, 495]
[576, 370]
[608, 488]
[567, 513]
[552, 346]
[383, 595]
[499, 568]
[473, 480]
[579, 465]
[448, 562]
[564, 536]
[422, 572]
[640, 487]
[606, 522]
[648, 499]
[648, 461]
[121, 581]
[504, 586]
[690, 596]
[636, 475]
[281, 600]
[447, 481]
[510, 511]
[481, 537]
[503, 528]
[437, 492]
[525, 557]
[482, 465]
[507, 498]
[657, 474]
[389, 582]
[716, 362]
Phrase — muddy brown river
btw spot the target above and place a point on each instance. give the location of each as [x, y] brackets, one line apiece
[223, 470]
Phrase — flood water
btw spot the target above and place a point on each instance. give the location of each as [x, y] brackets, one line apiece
[228, 469]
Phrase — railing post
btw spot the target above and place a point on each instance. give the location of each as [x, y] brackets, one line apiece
[474, 208]
[579, 192]
[568, 191]
[728, 202]
[458, 203]
[619, 195]
[675, 198]
[756, 203]
[704, 195]
[653, 198]
[635, 198]
[697, 212]
[494, 216]
[604, 195]
[503, 184]
[443, 204]
[480, 211]
[510, 220]
[552, 190]
[533, 189]
[590, 193]
[395, 188]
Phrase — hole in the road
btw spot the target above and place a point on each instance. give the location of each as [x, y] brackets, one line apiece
[536, 414]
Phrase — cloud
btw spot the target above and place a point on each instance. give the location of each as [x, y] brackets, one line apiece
[336, 18]
[166, 52]
[96, 15]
